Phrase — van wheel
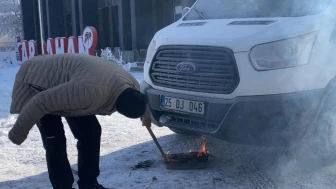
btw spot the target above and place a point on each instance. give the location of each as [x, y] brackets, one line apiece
[318, 147]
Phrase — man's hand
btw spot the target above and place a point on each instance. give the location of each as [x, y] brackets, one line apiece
[15, 138]
[146, 121]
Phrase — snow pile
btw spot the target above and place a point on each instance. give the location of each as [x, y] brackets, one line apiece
[8, 59]
[108, 55]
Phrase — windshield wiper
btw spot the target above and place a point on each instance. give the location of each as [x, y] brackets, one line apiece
[201, 14]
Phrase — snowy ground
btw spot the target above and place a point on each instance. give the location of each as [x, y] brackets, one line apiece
[125, 142]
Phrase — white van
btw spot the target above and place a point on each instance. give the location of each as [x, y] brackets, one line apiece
[256, 72]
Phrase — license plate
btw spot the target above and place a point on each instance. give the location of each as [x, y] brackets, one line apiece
[182, 105]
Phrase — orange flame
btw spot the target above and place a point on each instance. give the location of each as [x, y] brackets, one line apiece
[202, 150]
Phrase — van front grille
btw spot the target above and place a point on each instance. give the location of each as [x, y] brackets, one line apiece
[215, 69]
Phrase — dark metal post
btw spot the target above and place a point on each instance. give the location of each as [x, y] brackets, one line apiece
[80, 7]
[154, 17]
[48, 17]
[101, 31]
[37, 26]
[41, 26]
[44, 16]
[27, 8]
[55, 18]
[73, 17]
[110, 19]
[67, 29]
[121, 25]
[133, 25]
[125, 26]
[21, 18]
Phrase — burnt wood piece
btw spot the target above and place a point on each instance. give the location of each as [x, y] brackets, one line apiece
[187, 161]
[143, 165]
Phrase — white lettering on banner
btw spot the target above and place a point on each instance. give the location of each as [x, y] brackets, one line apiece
[72, 45]
[24, 51]
[60, 44]
[32, 48]
[84, 44]
[51, 46]
[81, 49]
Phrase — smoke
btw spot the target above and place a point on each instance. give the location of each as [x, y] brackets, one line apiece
[314, 146]
[314, 152]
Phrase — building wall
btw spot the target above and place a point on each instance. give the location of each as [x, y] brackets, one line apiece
[27, 7]
[30, 21]
[128, 24]
[55, 18]
[144, 24]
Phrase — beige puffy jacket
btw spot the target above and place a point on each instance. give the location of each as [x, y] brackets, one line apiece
[65, 85]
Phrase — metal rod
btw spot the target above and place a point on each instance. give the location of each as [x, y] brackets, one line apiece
[157, 144]
[41, 25]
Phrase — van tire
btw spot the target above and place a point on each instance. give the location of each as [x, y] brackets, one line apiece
[318, 147]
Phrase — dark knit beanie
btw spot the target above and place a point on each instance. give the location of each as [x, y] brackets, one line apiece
[132, 103]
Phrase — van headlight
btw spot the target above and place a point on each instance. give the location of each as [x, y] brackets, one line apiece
[151, 51]
[283, 54]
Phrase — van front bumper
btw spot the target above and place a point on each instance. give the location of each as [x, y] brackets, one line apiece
[270, 120]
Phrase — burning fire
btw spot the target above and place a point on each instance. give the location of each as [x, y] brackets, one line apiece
[202, 144]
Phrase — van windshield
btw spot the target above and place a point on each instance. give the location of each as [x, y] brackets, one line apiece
[226, 9]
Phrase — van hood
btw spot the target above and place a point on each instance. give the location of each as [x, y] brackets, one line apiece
[237, 34]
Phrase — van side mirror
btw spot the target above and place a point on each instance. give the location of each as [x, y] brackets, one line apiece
[185, 10]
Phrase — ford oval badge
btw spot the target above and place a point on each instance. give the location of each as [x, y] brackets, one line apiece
[186, 67]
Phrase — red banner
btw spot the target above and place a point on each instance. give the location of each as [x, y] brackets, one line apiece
[84, 44]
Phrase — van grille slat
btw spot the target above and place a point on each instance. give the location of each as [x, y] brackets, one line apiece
[200, 65]
[216, 69]
[194, 55]
[196, 86]
[180, 59]
[216, 72]
[190, 78]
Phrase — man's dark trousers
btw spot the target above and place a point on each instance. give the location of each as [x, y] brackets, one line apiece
[87, 131]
